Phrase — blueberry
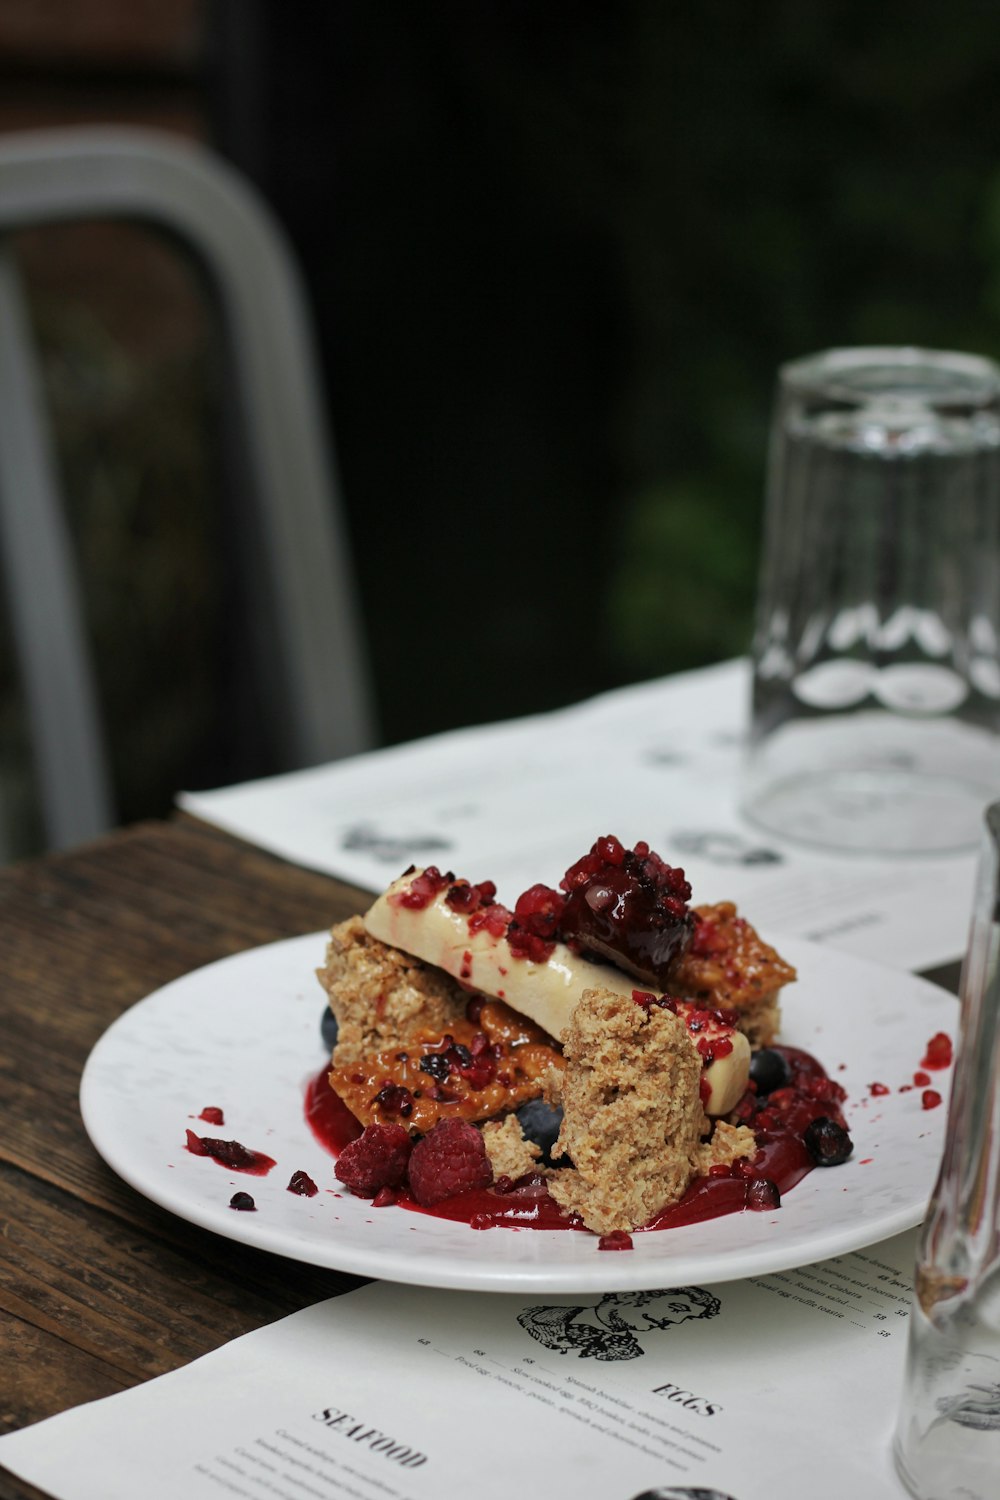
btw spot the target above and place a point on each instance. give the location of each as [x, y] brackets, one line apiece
[328, 1029]
[827, 1142]
[769, 1070]
[437, 1065]
[540, 1123]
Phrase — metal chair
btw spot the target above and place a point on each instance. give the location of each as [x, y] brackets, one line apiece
[51, 177]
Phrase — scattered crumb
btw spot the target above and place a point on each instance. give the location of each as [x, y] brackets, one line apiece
[510, 1154]
[727, 1144]
[633, 1117]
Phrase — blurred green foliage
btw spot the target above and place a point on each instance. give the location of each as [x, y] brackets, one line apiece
[556, 256]
[570, 245]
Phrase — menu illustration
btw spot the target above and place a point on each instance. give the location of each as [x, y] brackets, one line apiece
[775, 1386]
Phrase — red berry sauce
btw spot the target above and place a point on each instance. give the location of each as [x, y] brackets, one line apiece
[782, 1159]
[230, 1154]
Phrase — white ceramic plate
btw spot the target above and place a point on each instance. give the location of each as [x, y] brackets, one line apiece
[243, 1034]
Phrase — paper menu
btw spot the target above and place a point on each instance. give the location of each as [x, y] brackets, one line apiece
[777, 1387]
[517, 802]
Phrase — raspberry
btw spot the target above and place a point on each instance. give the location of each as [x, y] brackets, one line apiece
[533, 926]
[529, 945]
[538, 909]
[451, 1159]
[375, 1160]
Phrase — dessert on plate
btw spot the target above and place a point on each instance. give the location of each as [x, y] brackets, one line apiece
[601, 1056]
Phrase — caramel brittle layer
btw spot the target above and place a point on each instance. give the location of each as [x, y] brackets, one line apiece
[728, 965]
[473, 1071]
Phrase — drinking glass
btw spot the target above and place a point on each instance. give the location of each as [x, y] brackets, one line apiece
[947, 1443]
[876, 674]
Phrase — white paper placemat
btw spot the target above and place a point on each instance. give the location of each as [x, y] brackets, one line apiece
[772, 1388]
[520, 801]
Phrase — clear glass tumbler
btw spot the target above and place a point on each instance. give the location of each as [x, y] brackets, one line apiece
[876, 693]
[947, 1443]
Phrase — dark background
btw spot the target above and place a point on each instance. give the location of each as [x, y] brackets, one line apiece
[555, 254]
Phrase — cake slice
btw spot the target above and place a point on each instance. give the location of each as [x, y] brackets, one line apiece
[452, 928]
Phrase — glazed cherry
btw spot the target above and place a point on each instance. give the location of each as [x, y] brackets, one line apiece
[629, 906]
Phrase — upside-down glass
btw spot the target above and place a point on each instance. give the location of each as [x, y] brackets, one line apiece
[876, 698]
[947, 1442]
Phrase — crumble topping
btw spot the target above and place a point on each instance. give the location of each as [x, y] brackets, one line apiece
[633, 1120]
[381, 995]
[728, 965]
[444, 1041]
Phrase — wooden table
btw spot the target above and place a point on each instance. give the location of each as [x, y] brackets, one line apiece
[100, 1289]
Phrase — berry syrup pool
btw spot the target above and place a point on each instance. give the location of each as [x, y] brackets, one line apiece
[798, 1125]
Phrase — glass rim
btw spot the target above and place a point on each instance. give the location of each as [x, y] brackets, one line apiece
[991, 820]
[831, 374]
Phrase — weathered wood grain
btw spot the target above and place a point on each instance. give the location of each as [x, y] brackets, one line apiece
[100, 1289]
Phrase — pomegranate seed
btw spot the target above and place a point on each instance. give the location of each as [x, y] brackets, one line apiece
[939, 1051]
[302, 1183]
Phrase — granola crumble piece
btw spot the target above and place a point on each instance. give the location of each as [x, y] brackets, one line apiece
[728, 1144]
[511, 1154]
[380, 995]
[633, 1117]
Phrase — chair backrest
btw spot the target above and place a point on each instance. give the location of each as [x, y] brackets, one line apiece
[51, 177]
